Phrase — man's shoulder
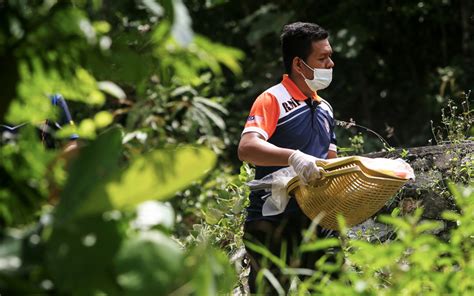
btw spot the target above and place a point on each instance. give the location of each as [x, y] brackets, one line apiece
[326, 106]
[276, 92]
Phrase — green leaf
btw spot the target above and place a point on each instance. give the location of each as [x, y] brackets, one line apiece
[395, 221]
[428, 225]
[161, 32]
[265, 252]
[320, 244]
[395, 212]
[211, 104]
[209, 272]
[95, 163]
[96, 184]
[103, 119]
[159, 175]
[149, 264]
[80, 255]
[273, 281]
[450, 215]
[212, 215]
[213, 52]
[215, 118]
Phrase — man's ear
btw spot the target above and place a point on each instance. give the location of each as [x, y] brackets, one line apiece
[296, 65]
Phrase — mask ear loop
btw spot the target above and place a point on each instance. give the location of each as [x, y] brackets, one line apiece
[312, 69]
[309, 101]
[306, 66]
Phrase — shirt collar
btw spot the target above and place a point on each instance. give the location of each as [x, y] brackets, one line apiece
[294, 91]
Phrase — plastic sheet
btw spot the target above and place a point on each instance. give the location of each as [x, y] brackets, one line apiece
[275, 184]
[394, 167]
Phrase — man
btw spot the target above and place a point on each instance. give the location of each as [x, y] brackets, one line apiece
[289, 124]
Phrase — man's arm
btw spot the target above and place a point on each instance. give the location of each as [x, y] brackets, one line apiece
[332, 154]
[254, 149]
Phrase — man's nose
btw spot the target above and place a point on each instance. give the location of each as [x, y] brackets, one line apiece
[330, 64]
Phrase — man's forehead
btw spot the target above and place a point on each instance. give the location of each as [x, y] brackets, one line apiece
[321, 46]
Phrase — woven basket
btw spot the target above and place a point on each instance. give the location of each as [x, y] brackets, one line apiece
[347, 188]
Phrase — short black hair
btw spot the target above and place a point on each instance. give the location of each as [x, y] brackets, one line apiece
[296, 41]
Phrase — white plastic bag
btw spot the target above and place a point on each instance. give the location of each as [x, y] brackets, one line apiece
[274, 183]
[393, 167]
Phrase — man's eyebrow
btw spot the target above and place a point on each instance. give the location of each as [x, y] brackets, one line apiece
[329, 52]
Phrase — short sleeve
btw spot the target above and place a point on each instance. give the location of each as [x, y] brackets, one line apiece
[333, 144]
[263, 116]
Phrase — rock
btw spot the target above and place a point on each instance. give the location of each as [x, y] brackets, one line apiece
[434, 166]
[371, 231]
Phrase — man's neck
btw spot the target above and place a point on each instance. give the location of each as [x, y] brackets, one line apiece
[298, 79]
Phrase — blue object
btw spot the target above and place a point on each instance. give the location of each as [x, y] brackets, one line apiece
[58, 100]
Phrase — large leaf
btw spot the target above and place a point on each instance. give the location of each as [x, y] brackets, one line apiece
[209, 271]
[159, 175]
[80, 255]
[95, 163]
[149, 264]
[96, 184]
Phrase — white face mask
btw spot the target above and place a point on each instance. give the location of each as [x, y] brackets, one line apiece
[321, 78]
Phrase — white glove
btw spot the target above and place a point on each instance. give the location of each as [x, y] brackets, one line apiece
[305, 166]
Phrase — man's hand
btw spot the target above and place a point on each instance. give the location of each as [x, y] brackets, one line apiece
[304, 165]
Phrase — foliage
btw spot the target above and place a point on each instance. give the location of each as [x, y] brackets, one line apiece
[415, 262]
[92, 241]
[456, 126]
[218, 212]
[90, 232]
[159, 100]
[23, 186]
[356, 146]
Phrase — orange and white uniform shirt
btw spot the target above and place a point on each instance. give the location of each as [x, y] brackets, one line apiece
[285, 117]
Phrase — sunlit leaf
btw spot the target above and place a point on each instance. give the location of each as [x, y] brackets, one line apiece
[112, 89]
[265, 252]
[215, 118]
[103, 119]
[212, 104]
[428, 225]
[153, 7]
[395, 221]
[215, 52]
[159, 175]
[320, 244]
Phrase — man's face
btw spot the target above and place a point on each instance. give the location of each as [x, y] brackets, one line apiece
[320, 57]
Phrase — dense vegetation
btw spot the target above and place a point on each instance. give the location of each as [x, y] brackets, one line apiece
[154, 200]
